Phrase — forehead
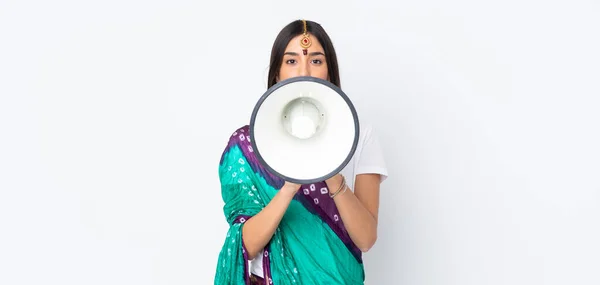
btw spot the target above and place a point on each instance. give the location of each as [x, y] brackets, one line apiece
[294, 44]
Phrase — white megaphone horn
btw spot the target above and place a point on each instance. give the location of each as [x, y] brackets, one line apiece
[304, 129]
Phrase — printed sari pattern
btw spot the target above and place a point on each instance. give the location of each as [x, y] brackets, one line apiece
[310, 245]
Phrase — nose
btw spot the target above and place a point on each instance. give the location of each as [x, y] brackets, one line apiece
[304, 69]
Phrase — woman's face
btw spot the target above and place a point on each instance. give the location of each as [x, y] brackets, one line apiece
[295, 63]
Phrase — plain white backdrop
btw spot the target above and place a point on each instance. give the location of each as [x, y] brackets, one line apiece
[113, 115]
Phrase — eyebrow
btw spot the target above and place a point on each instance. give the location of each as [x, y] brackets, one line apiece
[311, 54]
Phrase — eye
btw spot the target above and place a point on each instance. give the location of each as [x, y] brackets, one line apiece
[317, 61]
[290, 61]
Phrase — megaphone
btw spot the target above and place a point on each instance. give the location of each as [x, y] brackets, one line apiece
[304, 129]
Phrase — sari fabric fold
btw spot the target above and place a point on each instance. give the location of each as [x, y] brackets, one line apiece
[310, 245]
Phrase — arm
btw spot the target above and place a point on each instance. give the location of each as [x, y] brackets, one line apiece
[259, 229]
[359, 209]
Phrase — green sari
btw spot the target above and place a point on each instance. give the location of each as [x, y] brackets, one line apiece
[310, 245]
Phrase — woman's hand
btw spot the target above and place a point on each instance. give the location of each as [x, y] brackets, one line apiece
[334, 183]
[290, 188]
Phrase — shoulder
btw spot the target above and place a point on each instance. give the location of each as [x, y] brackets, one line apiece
[240, 135]
[366, 129]
[239, 138]
[371, 158]
[368, 134]
[239, 146]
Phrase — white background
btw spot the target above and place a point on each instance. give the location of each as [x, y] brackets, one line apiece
[113, 115]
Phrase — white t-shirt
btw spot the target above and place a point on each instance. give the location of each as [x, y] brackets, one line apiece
[368, 158]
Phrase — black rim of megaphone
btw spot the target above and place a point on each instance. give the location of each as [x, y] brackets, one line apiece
[292, 80]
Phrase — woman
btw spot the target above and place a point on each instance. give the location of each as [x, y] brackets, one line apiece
[298, 234]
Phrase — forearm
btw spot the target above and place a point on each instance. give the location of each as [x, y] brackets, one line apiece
[259, 229]
[359, 222]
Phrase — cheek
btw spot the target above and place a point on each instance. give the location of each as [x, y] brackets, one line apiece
[322, 73]
[286, 72]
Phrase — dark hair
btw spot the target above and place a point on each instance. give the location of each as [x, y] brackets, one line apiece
[292, 30]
